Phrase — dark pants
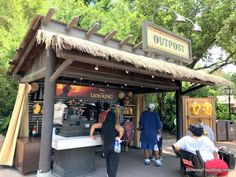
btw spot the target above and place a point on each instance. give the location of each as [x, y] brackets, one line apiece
[112, 162]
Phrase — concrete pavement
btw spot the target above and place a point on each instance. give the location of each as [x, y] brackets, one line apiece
[131, 164]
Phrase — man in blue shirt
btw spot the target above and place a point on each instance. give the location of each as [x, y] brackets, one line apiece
[150, 125]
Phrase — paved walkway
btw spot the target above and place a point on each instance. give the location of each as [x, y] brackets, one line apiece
[131, 164]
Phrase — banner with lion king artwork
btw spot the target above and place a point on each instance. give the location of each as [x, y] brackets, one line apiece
[196, 110]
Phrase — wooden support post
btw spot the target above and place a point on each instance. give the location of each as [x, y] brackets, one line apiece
[96, 26]
[179, 111]
[48, 17]
[110, 35]
[125, 40]
[48, 114]
[137, 46]
[61, 68]
[73, 23]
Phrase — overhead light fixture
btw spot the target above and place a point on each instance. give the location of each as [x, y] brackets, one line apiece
[121, 87]
[74, 81]
[96, 68]
[92, 83]
[153, 76]
[127, 72]
[81, 78]
[196, 27]
[125, 84]
[179, 18]
[156, 88]
[108, 85]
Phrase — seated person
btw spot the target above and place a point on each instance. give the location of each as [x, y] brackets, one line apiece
[207, 131]
[207, 149]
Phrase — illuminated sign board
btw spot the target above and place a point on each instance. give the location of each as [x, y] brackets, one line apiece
[95, 93]
[165, 43]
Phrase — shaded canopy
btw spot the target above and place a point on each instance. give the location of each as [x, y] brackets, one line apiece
[64, 42]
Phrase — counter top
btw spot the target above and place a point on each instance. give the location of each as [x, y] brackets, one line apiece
[63, 143]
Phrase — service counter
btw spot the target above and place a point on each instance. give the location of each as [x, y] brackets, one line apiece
[74, 156]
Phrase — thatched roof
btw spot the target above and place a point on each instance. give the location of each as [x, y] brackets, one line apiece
[63, 42]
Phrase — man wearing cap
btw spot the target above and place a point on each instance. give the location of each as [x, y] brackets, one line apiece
[150, 125]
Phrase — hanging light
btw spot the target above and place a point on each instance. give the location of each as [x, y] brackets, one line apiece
[127, 72]
[96, 68]
[179, 18]
[196, 27]
[153, 76]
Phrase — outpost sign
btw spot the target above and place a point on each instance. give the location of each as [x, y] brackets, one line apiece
[165, 43]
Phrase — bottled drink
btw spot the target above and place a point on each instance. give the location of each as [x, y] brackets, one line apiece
[117, 146]
[34, 131]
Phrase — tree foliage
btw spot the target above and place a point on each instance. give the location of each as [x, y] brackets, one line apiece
[216, 17]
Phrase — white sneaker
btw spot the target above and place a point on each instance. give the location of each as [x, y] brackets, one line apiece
[147, 161]
[158, 163]
[153, 158]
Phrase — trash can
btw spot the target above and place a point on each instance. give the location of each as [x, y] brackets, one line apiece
[221, 131]
[231, 130]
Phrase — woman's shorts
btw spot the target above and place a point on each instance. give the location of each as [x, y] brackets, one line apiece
[216, 166]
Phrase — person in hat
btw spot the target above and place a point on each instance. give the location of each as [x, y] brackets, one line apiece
[150, 125]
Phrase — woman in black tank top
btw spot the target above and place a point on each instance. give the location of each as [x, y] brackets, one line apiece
[110, 132]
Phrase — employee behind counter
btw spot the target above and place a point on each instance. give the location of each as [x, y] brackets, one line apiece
[74, 118]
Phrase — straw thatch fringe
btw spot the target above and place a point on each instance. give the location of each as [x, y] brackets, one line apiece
[63, 42]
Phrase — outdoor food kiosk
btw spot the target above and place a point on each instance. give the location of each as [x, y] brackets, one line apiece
[53, 52]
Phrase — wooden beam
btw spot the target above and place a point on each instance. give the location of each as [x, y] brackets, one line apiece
[137, 46]
[125, 40]
[95, 76]
[34, 76]
[48, 17]
[192, 89]
[44, 165]
[96, 26]
[96, 38]
[60, 69]
[179, 111]
[109, 36]
[123, 67]
[72, 23]
[27, 51]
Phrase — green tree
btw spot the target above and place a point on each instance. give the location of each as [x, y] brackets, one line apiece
[216, 17]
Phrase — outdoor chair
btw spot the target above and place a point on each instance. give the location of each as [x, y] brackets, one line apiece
[190, 164]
